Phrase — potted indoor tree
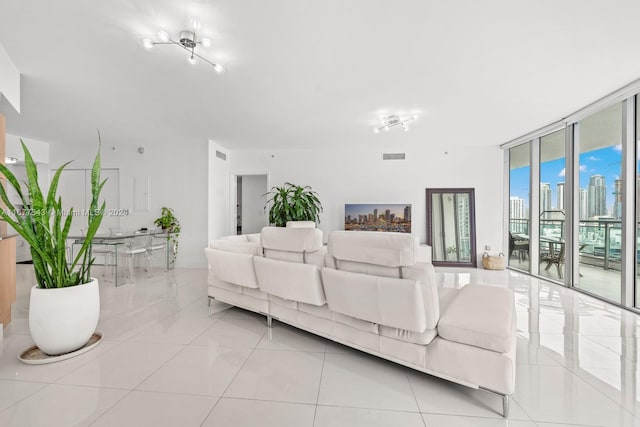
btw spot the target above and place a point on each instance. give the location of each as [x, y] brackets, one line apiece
[65, 301]
[293, 203]
[169, 223]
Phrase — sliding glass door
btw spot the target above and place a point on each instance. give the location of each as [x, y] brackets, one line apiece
[600, 203]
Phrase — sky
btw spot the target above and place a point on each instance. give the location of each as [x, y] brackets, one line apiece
[604, 161]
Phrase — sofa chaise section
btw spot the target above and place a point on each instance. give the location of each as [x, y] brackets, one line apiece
[371, 291]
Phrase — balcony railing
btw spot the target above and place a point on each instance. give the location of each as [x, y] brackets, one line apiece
[599, 240]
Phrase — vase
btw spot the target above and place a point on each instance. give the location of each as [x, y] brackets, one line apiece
[62, 320]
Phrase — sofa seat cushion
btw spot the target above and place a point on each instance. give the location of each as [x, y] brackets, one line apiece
[256, 293]
[445, 296]
[324, 312]
[480, 316]
[421, 338]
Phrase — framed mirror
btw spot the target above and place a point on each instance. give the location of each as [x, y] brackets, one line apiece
[451, 226]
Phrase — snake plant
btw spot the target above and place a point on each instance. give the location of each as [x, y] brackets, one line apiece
[45, 225]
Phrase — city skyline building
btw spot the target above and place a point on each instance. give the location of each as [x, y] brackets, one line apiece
[597, 196]
[582, 204]
[560, 195]
[545, 197]
[518, 211]
[617, 204]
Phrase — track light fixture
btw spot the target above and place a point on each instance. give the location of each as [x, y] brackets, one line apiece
[187, 40]
[393, 121]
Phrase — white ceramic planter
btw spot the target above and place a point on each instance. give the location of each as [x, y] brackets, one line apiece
[62, 320]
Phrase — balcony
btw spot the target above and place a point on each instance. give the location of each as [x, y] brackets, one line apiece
[599, 249]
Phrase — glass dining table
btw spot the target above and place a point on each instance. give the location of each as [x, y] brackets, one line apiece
[115, 242]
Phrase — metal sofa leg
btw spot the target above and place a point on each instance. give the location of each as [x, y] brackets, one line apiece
[505, 406]
[209, 303]
[269, 321]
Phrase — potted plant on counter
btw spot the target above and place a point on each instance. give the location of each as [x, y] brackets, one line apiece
[169, 223]
[293, 203]
[65, 301]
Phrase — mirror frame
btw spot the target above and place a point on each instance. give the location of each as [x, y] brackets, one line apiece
[472, 224]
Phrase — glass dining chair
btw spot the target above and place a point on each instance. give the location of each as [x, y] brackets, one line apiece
[133, 244]
[156, 244]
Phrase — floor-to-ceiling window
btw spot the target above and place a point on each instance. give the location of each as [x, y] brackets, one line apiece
[600, 203]
[519, 197]
[552, 218]
[583, 202]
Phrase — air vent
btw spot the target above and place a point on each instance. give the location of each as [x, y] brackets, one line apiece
[221, 155]
[392, 156]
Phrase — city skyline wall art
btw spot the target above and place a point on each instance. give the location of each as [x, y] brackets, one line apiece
[395, 217]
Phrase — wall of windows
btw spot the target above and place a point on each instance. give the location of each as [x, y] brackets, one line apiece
[581, 170]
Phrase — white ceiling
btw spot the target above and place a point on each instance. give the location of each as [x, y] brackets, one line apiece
[304, 73]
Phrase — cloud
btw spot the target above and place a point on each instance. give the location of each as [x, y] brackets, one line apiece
[561, 172]
[617, 147]
[583, 168]
[593, 158]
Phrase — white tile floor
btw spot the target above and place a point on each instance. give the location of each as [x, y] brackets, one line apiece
[166, 362]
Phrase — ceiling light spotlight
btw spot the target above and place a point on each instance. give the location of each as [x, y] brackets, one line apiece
[393, 121]
[163, 36]
[195, 24]
[187, 40]
[147, 43]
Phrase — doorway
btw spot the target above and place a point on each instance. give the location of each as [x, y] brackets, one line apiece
[250, 200]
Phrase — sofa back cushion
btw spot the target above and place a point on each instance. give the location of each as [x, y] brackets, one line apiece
[384, 254]
[387, 301]
[290, 280]
[293, 244]
[242, 246]
[372, 247]
[232, 267]
[301, 224]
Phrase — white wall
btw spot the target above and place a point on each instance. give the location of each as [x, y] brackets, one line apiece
[9, 79]
[361, 176]
[39, 150]
[218, 193]
[254, 216]
[177, 179]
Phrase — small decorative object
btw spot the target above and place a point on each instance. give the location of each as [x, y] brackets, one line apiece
[494, 262]
[293, 203]
[65, 302]
[168, 222]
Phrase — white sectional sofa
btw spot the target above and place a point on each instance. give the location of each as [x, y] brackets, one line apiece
[370, 291]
